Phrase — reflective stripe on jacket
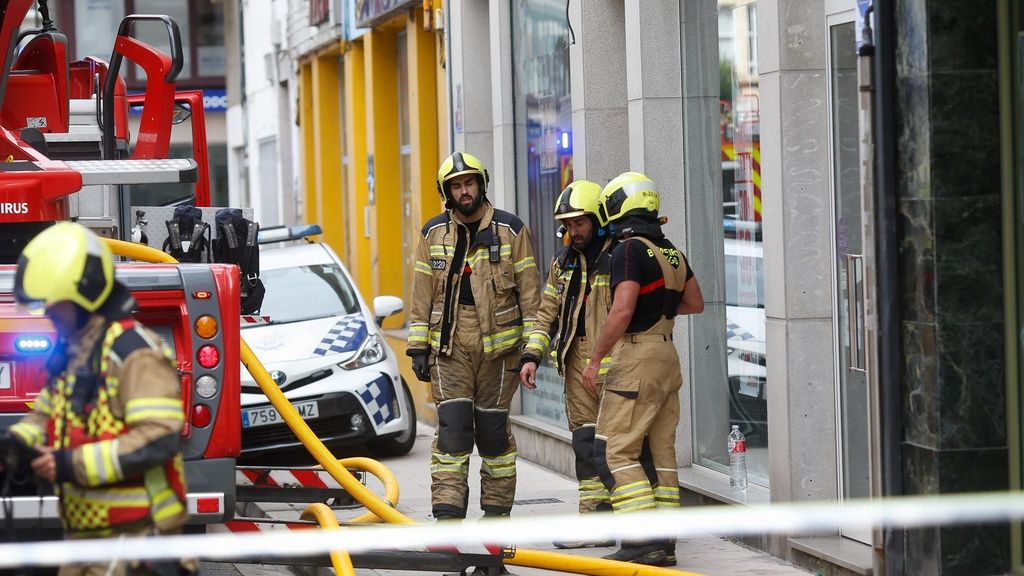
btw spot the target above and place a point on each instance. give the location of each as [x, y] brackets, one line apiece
[504, 281]
[560, 305]
[119, 414]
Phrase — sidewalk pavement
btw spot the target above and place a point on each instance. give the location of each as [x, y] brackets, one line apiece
[539, 492]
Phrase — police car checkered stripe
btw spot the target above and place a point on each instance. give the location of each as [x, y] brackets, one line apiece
[346, 335]
[379, 398]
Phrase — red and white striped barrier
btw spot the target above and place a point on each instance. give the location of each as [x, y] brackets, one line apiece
[285, 478]
[250, 319]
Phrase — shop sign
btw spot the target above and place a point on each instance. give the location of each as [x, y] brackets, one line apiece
[371, 12]
[214, 100]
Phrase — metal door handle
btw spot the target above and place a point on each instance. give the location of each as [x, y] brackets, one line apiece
[854, 322]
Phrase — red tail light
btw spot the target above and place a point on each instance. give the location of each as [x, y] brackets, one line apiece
[208, 356]
[201, 416]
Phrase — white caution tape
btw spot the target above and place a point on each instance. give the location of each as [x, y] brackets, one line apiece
[813, 518]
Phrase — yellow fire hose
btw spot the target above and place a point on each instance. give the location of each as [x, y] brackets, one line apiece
[324, 516]
[532, 558]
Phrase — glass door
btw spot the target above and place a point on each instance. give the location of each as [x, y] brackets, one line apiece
[848, 312]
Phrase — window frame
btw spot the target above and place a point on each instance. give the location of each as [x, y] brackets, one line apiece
[188, 78]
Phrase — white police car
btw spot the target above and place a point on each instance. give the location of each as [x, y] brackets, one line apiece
[324, 348]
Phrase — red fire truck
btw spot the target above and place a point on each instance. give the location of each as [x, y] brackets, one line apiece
[66, 154]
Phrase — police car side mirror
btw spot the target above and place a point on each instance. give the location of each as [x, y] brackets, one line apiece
[384, 306]
[181, 113]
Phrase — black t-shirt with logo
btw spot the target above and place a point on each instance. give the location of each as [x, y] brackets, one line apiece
[631, 260]
[465, 287]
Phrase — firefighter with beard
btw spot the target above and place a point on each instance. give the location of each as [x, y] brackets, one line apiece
[475, 294]
[574, 307]
[107, 425]
[651, 284]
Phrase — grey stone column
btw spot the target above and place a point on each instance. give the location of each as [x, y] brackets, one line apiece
[597, 72]
[950, 259]
[796, 215]
[705, 359]
[503, 170]
[471, 79]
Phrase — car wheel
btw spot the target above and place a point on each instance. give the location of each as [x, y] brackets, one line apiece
[399, 444]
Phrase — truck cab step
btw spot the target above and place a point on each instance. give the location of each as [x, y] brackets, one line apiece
[116, 172]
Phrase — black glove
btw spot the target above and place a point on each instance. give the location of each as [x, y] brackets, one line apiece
[421, 366]
[15, 456]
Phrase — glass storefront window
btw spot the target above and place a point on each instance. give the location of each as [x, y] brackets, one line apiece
[97, 37]
[543, 117]
[742, 398]
[155, 34]
[210, 38]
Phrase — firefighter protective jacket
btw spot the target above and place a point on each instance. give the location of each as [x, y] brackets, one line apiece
[114, 419]
[504, 281]
[564, 294]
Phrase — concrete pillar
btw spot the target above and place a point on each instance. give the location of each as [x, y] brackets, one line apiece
[502, 170]
[796, 214]
[471, 79]
[597, 71]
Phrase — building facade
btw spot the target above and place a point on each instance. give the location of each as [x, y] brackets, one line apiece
[851, 218]
[847, 195]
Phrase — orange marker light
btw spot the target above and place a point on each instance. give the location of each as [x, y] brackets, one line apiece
[201, 295]
[206, 326]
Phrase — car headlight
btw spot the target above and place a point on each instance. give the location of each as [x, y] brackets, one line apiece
[371, 352]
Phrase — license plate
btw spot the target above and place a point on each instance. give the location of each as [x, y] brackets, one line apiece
[266, 415]
[5, 375]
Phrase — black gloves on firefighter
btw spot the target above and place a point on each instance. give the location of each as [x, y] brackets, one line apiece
[14, 455]
[421, 366]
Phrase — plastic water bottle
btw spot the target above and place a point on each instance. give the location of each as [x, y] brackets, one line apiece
[737, 459]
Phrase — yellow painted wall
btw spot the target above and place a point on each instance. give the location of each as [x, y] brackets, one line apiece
[369, 67]
[308, 137]
[427, 127]
[327, 126]
[359, 257]
[382, 142]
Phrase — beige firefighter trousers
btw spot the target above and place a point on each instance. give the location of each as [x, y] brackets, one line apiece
[581, 410]
[640, 398]
[472, 396]
[120, 567]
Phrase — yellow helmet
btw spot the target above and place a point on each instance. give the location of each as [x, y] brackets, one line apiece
[580, 197]
[458, 164]
[629, 193]
[65, 262]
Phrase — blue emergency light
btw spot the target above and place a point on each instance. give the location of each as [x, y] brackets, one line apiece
[29, 344]
[272, 234]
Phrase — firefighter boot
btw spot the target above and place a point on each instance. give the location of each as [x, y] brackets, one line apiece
[670, 552]
[646, 553]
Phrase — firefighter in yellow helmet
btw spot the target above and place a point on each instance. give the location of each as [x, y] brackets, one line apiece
[651, 284]
[107, 425]
[573, 308]
[475, 294]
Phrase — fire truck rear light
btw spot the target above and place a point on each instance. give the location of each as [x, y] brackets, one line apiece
[32, 344]
[206, 386]
[201, 416]
[206, 326]
[208, 356]
[208, 506]
[201, 295]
